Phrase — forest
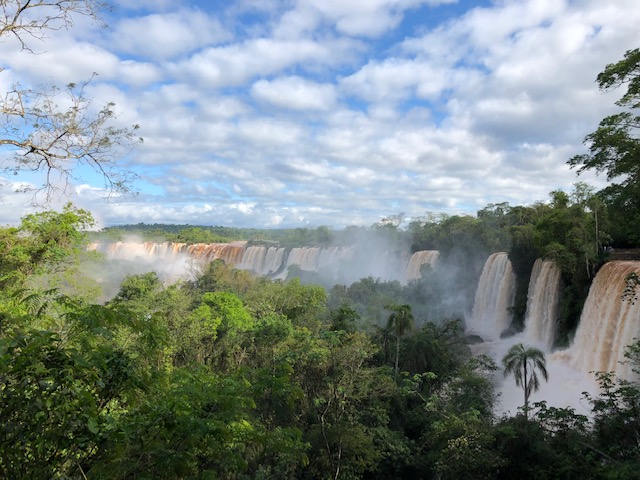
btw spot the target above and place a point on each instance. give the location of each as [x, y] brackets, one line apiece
[230, 375]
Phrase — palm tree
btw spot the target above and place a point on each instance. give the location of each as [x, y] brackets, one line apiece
[401, 320]
[525, 363]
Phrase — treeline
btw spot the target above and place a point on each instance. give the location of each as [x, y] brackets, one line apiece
[294, 237]
[231, 376]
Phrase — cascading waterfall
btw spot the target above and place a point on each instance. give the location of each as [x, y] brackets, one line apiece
[273, 260]
[566, 383]
[494, 296]
[334, 262]
[305, 258]
[332, 256]
[543, 299]
[230, 253]
[262, 260]
[253, 259]
[609, 322]
[417, 260]
[344, 264]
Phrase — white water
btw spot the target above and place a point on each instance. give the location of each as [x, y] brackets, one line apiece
[543, 299]
[564, 389]
[344, 264]
[494, 296]
[417, 260]
[607, 325]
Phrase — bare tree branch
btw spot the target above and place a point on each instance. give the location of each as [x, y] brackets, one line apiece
[58, 130]
[26, 19]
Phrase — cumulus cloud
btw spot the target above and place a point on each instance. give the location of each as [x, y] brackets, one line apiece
[64, 61]
[270, 113]
[369, 19]
[167, 35]
[295, 93]
[236, 64]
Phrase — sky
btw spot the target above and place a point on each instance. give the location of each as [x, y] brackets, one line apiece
[300, 113]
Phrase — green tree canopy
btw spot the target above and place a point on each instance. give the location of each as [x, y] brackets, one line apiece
[401, 321]
[614, 147]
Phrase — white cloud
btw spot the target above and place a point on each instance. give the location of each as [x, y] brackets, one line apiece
[167, 35]
[64, 61]
[269, 133]
[295, 93]
[239, 63]
[152, 4]
[370, 19]
[265, 112]
[396, 79]
[139, 74]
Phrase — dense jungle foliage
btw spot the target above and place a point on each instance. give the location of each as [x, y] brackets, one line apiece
[234, 377]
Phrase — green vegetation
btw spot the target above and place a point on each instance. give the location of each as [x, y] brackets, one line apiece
[614, 148]
[231, 376]
[293, 237]
[235, 377]
[400, 321]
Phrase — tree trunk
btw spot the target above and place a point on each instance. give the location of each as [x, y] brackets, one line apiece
[397, 355]
[526, 392]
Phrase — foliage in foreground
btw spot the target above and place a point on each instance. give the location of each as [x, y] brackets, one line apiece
[230, 376]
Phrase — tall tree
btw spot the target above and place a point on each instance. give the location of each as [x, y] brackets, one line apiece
[614, 147]
[52, 130]
[525, 363]
[400, 320]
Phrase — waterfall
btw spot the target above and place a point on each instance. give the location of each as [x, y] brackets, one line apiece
[494, 296]
[262, 260]
[344, 264]
[332, 256]
[273, 260]
[335, 262]
[542, 304]
[230, 253]
[608, 322]
[253, 259]
[304, 257]
[417, 260]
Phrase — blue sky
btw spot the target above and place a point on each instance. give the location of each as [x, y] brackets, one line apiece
[273, 113]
